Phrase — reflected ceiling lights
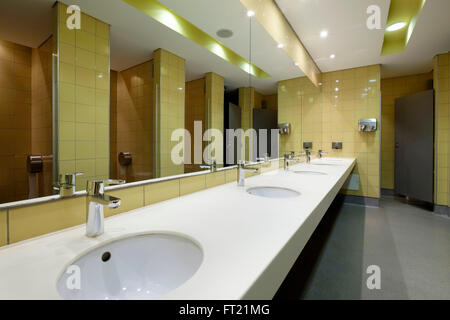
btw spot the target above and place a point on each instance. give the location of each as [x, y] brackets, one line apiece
[324, 34]
[332, 56]
[396, 26]
[157, 11]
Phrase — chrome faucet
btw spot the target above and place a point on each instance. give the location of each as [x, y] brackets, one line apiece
[307, 153]
[264, 160]
[320, 153]
[96, 200]
[288, 158]
[241, 172]
[212, 167]
[66, 184]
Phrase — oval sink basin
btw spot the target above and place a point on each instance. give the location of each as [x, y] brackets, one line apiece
[138, 267]
[310, 173]
[273, 192]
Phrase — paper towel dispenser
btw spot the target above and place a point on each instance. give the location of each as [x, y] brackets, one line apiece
[125, 158]
[34, 164]
[367, 125]
[284, 128]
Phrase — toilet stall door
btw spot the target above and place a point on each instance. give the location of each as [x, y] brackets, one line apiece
[414, 146]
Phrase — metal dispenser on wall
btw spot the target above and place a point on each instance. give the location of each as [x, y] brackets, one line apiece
[125, 160]
[35, 166]
[284, 128]
[367, 125]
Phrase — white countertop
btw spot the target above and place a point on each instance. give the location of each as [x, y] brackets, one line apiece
[249, 242]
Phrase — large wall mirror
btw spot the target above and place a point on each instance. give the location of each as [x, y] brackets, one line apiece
[126, 95]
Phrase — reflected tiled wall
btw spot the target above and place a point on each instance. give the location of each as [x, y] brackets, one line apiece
[215, 101]
[15, 120]
[247, 104]
[83, 137]
[391, 89]
[195, 110]
[35, 220]
[331, 113]
[41, 112]
[441, 78]
[271, 100]
[170, 81]
[132, 112]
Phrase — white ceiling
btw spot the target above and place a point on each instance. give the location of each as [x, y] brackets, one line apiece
[355, 45]
[134, 36]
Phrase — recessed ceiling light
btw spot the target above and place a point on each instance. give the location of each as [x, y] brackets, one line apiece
[332, 56]
[280, 45]
[396, 26]
[296, 64]
[372, 80]
[324, 33]
[337, 81]
[250, 13]
[224, 33]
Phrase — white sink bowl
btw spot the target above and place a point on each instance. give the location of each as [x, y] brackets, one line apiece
[273, 192]
[310, 173]
[138, 267]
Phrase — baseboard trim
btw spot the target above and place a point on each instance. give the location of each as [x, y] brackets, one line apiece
[363, 201]
[442, 211]
[387, 192]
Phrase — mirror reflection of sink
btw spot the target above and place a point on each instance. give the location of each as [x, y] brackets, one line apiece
[138, 267]
[310, 173]
[273, 192]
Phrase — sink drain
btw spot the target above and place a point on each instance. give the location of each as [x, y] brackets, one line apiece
[106, 256]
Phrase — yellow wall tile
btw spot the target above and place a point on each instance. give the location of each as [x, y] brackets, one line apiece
[192, 184]
[85, 40]
[161, 191]
[132, 198]
[3, 229]
[33, 221]
[231, 175]
[85, 59]
[215, 179]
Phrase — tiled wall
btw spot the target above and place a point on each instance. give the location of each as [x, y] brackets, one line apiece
[215, 103]
[113, 163]
[331, 113]
[392, 89]
[15, 120]
[271, 100]
[41, 112]
[195, 110]
[170, 81]
[133, 114]
[247, 104]
[3, 228]
[83, 137]
[442, 128]
[35, 220]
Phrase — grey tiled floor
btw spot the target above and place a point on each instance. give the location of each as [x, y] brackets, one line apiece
[410, 245]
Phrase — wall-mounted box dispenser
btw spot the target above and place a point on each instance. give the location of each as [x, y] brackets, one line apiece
[367, 125]
[307, 145]
[284, 128]
[34, 164]
[336, 145]
[125, 158]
